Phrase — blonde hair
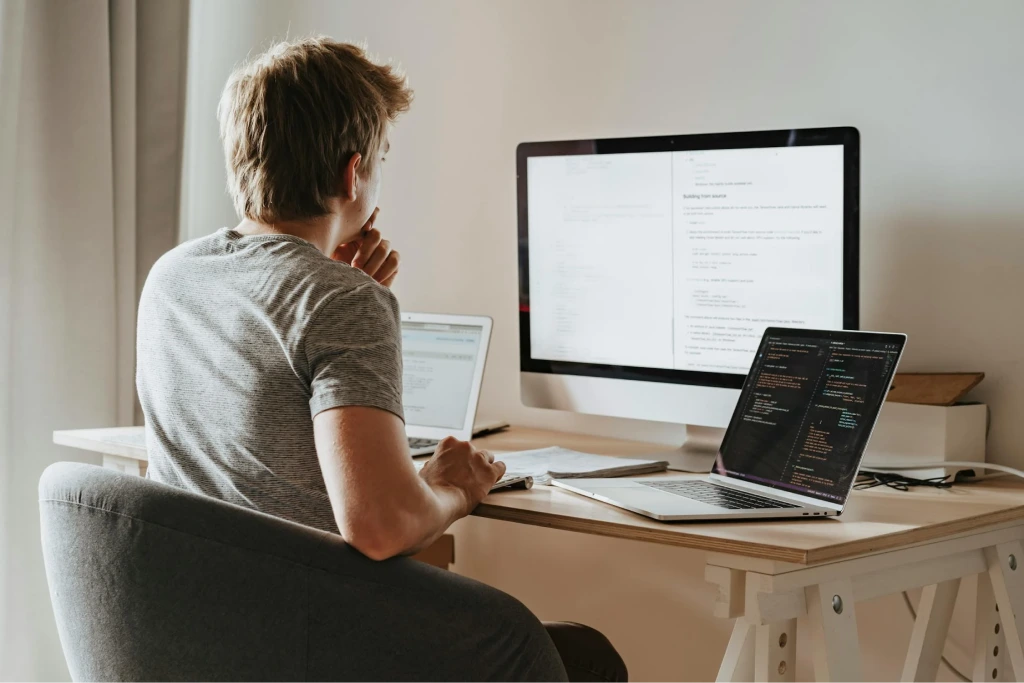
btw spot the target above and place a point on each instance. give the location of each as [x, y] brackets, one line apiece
[291, 118]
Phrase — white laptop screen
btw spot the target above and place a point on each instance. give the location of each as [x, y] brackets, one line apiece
[437, 382]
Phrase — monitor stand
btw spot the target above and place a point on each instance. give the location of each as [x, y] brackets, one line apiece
[698, 452]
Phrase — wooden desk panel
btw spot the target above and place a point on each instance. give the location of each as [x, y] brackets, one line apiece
[874, 521]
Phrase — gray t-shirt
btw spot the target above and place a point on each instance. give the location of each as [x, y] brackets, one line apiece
[241, 341]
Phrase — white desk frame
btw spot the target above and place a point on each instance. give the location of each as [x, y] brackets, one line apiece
[767, 599]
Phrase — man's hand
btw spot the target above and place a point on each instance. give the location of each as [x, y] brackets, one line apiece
[457, 464]
[370, 253]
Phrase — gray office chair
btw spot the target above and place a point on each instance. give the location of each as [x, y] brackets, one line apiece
[150, 582]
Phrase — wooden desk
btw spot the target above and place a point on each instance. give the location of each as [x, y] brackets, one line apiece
[770, 575]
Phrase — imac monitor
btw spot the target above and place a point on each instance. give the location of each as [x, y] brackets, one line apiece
[649, 268]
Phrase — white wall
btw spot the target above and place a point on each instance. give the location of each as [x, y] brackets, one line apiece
[934, 88]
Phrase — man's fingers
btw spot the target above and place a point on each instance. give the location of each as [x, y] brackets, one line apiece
[388, 269]
[487, 455]
[387, 282]
[345, 252]
[371, 240]
[377, 258]
[499, 468]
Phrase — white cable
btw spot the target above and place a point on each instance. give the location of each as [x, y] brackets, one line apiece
[950, 463]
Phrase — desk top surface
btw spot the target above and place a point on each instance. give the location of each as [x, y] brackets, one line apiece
[874, 521]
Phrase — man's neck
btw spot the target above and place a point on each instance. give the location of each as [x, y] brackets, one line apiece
[323, 233]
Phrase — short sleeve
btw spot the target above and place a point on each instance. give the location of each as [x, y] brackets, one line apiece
[354, 351]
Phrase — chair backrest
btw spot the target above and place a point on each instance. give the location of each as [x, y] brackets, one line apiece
[150, 582]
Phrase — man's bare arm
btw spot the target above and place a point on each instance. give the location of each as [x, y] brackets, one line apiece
[383, 508]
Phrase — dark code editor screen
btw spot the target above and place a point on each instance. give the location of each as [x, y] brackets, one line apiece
[806, 413]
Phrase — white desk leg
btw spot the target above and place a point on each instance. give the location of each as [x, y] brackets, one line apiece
[934, 613]
[738, 662]
[775, 651]
[1006, 571]
[126, 465]
[989, 637]
[832, 619]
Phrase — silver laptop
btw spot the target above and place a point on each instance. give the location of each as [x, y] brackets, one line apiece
[795, 440]
[443, 359]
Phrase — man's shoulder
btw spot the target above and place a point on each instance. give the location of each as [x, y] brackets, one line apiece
[324, 280]
[284, 274]
[184, 254]
[277, 258]
[349, 291]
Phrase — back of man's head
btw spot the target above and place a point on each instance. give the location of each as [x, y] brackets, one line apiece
[292, 117]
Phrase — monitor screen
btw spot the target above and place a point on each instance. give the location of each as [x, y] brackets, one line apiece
[437, 379]
[807, 410]
[675, 254]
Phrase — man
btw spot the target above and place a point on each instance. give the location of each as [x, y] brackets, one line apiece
[269, 355]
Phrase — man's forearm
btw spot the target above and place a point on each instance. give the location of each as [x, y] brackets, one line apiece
[449, 506]
[382, 506]
[402, 525]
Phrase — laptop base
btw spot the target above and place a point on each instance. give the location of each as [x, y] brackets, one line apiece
[629, 494]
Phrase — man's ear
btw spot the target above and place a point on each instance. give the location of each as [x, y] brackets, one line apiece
[350, 185]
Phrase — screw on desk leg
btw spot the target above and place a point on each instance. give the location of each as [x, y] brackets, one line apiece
[775, 651]
[1008, 588]
[738, 661]
[989, 640]
[833, 632]
[934, 613]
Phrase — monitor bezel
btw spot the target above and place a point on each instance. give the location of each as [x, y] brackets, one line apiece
[847, 136]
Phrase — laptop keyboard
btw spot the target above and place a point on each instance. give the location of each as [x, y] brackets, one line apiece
[422, 443]
[719, 496]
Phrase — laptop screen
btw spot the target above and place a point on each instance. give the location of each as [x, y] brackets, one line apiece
[807, 410]
[438, 363]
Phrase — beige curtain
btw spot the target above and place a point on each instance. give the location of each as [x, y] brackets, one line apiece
[91, 112]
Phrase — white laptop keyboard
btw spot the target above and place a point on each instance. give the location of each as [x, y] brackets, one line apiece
[719, 496]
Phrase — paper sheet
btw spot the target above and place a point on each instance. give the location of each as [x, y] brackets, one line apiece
[544, 463]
